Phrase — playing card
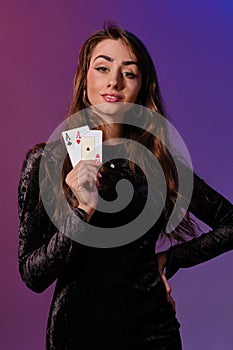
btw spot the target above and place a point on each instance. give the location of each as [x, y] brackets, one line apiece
[91, 146]
[73, 134]
[71, 138]
[82, 143]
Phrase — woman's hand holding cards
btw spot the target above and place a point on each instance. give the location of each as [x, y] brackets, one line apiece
[84, 147]
[83, 181]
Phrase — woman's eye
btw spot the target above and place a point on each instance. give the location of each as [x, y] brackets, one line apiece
[129, 75]
[101, 69]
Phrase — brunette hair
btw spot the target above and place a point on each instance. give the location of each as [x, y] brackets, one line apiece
[149, 96]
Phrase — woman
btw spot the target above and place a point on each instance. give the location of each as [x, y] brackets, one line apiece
[116, 298]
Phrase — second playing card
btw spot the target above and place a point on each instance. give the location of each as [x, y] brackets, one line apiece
[91, 145]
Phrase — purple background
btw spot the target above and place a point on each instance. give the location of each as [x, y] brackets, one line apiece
[191, 44]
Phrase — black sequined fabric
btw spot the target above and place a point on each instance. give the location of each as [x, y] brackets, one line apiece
[111, 298]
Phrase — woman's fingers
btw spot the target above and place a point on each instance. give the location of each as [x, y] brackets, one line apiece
[168, 291]
[167, 285]
[84, 171]
[172, 302]
[88, 174]
[162, 260]
[82, 180]
[83, 165]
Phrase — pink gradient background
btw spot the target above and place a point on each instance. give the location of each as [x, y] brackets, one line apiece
[191, 44]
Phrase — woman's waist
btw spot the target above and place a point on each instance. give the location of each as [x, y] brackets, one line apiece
[115, 282]
[114, 305]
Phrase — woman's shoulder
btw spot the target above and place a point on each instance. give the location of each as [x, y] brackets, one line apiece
[35, 151]
[38, 150]
[34, 155]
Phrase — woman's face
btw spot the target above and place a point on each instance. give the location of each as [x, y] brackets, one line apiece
[113, 75]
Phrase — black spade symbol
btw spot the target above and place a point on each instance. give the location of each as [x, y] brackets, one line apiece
[88, 148]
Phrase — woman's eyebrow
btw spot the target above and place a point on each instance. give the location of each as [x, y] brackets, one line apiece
[107, 58]
[110, 59]
[128, 63]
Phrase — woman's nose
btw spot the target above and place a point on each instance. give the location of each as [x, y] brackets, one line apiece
[115, 81]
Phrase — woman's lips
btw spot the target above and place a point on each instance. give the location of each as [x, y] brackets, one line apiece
[111, 98]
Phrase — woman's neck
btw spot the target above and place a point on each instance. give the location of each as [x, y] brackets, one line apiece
[112, 133]
[113, 127]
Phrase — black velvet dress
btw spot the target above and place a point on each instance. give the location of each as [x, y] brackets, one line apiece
[111, 298]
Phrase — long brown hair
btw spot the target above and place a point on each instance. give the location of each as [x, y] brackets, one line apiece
[150, 97]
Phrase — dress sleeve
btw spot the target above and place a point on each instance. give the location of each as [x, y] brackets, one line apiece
[217, 212]
[44, 252]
